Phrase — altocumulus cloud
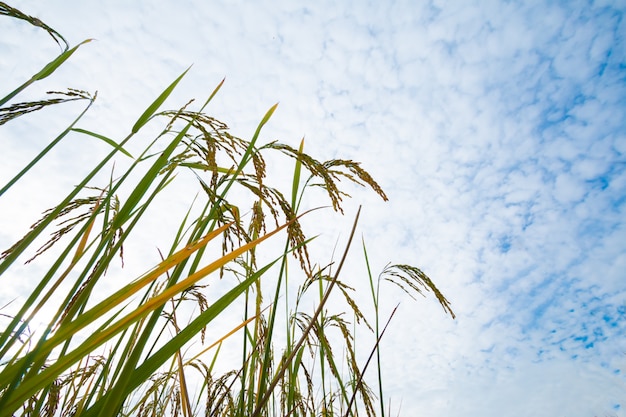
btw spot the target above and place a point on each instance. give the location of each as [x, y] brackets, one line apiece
[498, 131]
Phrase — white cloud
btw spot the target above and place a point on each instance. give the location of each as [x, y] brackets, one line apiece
[495, 127]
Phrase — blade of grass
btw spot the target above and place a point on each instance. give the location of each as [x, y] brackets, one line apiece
[46, 149]
[296, 178]
[375, 293]
[80, 250]
[147, 114]
[221, 339]
[105, 139]
[45, 71]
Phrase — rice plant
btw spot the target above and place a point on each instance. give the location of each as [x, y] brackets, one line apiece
[238, 261]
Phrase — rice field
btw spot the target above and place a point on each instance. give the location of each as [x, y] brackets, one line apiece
[139, 346]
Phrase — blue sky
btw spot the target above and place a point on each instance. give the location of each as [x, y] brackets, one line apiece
[497, 128]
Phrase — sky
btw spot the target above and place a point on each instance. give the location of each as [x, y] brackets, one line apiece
[496, 128]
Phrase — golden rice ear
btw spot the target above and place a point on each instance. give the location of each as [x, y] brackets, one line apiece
[409, 278]
[20, 109]
[356, 174]
[69, 217]
[330, 173]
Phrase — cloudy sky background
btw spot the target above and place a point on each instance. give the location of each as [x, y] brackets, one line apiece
[496, 128]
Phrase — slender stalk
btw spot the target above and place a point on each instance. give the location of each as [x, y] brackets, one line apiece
[305, 333]
[375, 297]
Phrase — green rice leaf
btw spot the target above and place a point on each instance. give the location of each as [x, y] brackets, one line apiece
[58, 61]
[45, 71]
[296, 177]
[143, 119]
[45, 151]
[105, 139]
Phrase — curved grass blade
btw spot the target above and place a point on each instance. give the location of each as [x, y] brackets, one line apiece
[143, 119]
[226, 336]
[215, 90]
[45, 71]
[105, 139]
[46, 149]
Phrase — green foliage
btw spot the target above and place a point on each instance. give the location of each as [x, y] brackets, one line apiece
[122, 347]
